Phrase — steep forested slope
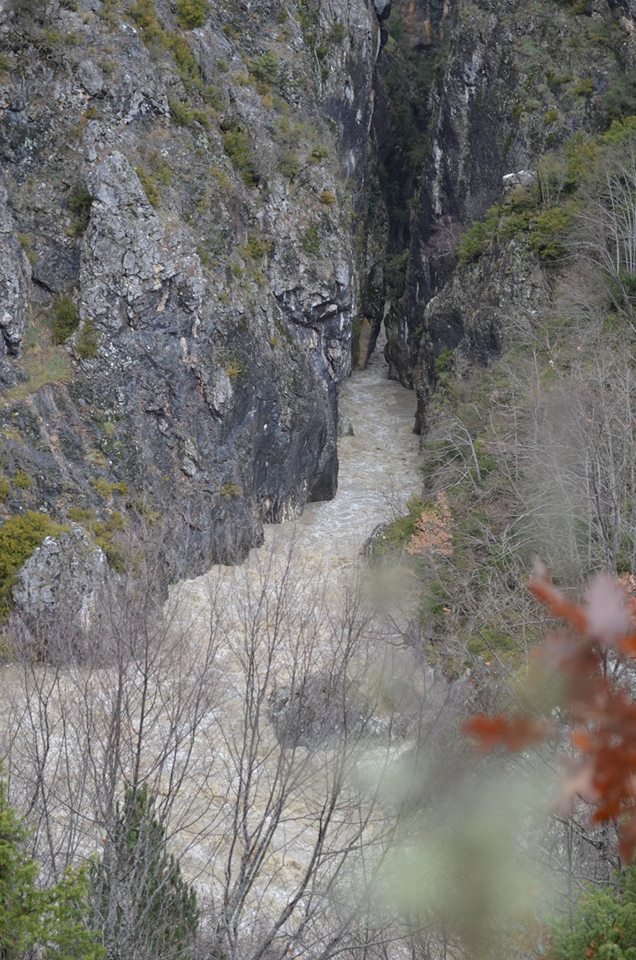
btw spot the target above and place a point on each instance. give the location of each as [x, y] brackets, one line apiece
[513, 317]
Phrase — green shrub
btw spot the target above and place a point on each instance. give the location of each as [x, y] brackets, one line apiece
[311, 241]
[289, 165]
[400, 531]
[548, 232]
[265, 68]
[150, 185]
[5, 487]
[5, 66]
[338, 33]
[620, 99]
[395, 274]
[234, 369]
[557, 80]
[83, 515]
[328, 197]
[581, 153]
[27, 245]
[443, 362]
[87, 341]
[191, 13]
[21, 480]
[187, 66]
[105, 533]
[318, 154]
[583, 87]
[160, 175]
[108, 13]
[479, 238]
[186, 116]
[142, 903]
[231, 32]
[578, 7]
[550, 117]
[65, 319]
[144, 15]
[221, 178]
[34, 920]
[20, 536]
[544, 230]
[257, 246]
[106, 489]
[603, 926]
[238, 149]
[79, 203]
[230, 491]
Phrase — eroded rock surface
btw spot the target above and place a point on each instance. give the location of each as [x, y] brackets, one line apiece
[182, 256]
[64, 577]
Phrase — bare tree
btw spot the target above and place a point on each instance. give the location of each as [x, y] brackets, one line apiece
[257, 707]
[605, 234]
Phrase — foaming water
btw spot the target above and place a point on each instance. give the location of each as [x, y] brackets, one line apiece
[379, 465]
[379, 471]
[315, 559]
[236, 636]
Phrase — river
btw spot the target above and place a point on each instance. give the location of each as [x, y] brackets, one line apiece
[203, 708]
[379, 471]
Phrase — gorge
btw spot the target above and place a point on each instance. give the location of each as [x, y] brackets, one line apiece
[199, 224]
[302, 301]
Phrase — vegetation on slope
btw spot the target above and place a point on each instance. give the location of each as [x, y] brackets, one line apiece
[534, 453]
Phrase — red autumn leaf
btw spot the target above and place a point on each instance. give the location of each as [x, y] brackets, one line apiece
[627, 844]
[581, 740]
[628, 645]
[560, 606]
[602, 710]
[513, 733]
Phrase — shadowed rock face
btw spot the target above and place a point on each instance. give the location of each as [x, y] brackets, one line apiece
[14, 278]
[194, 221]
[192, 194]
[500, 99]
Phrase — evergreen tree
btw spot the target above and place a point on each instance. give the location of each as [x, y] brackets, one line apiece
[51, 921]
[143, 907]
[604, 925]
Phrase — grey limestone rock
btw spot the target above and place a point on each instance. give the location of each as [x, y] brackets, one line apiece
[64, 575]
[497, 105]
[14, 280]
[91, 77]
[345, 427]
[203, 230]
[382, 8]
[483, 306]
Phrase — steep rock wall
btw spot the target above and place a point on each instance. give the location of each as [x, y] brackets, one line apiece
[182, 257]
[513, 80]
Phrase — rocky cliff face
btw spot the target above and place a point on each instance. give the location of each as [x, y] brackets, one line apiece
[182, 257]
[202, 205]
[511, 81]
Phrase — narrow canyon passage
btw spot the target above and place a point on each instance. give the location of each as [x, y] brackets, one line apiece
[379, 471]
[378, 465]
